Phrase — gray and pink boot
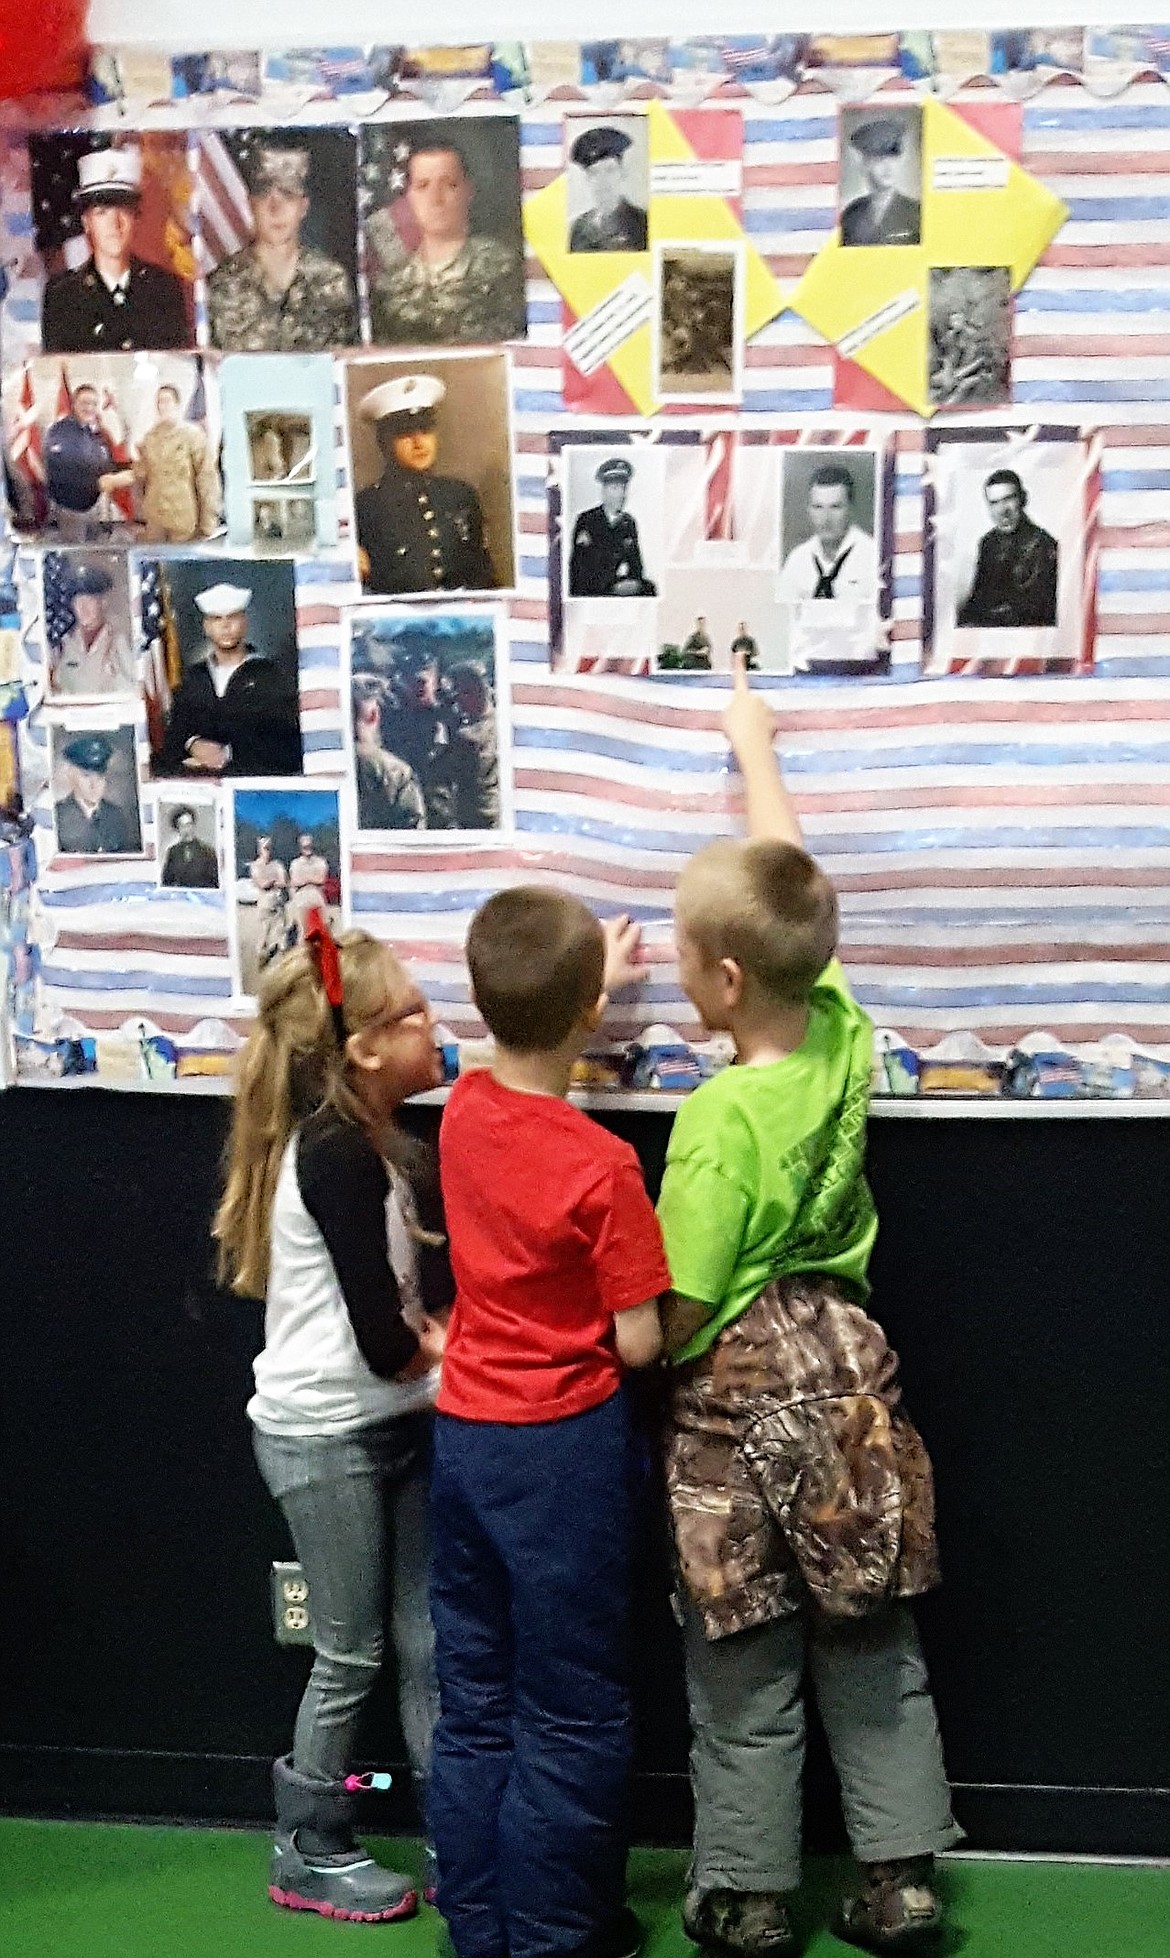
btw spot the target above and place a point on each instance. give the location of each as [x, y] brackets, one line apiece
[318, 1865]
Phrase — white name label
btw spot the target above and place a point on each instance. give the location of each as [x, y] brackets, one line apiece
[590, 343]
[970, 173]
[697, 179]
[886, 316]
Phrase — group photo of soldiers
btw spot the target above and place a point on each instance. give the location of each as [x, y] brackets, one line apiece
[286, 847]
[699, 306]
[425, 722]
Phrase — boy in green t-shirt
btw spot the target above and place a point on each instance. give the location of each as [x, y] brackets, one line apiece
[800, 1493]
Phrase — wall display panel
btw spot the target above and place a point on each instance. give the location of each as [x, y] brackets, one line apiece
[514, 393]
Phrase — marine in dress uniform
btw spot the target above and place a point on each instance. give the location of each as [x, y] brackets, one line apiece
[614, 224]
[248, 310]
[1016, 573]
[115, 302]
[884, 216]
[235, 698]
[97, 660]
[190, 864]
[606, 558]
[87, 824]
[417, 532]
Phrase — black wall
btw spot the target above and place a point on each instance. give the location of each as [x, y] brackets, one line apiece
[1021, 1272]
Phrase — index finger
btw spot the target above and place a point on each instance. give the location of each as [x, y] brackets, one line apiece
[739, 670]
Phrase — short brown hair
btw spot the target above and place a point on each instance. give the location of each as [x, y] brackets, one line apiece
[537, 961]
[766, 905]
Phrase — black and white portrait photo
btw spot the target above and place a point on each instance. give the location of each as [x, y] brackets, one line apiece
[185, 843]
[881, 177]
[443, 233]
[429, 718]
[233, 707]
[830, 514]
[431, 446]
[1006, 546]
[280, 446]
[279, 227]
[970, 336]
[94, 776]
[605, 552]
[606, 514]
[698, 322]
[607, 183]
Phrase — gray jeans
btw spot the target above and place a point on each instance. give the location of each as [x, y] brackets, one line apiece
[357, 1509]
[747, 1715]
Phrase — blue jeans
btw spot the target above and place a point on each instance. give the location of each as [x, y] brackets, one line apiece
[530, 1594]
[357, 1508]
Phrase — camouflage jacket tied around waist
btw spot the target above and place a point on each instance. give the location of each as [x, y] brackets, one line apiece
[794, 1475]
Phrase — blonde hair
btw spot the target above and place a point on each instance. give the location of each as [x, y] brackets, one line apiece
[766, 905]
[291, 1063]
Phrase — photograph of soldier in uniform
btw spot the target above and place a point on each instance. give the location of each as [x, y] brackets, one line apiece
[698, 322]
[284, 280]
[881, 177]
[443, 232]
[287, 858]
[429, 717]
[970, 335]
[608, 184]
[280, 447]
[605, 559]
[188, 859]
[127, 445]
[431, 449]
[829, 582]
[94, 778]
[1006, 551]
[606, 511]
[88, 639]
[236, 709]
[111, 221]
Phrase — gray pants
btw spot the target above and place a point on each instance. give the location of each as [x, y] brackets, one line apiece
[357, 1509]
[747, 1715]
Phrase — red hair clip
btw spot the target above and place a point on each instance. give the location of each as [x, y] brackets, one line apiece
[323, 946]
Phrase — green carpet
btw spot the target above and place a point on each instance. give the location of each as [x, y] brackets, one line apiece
[68, 1891]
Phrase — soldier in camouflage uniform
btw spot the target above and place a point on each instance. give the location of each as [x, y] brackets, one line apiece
[453, 287]
[277, 295]
[175, 475]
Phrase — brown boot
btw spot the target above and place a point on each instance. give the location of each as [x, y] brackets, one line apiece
[897, 1908]
[739, 1923]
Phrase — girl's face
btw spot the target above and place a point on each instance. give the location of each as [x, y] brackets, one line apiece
[397, 1049]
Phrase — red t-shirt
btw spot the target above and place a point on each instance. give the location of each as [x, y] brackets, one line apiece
[551, 1233]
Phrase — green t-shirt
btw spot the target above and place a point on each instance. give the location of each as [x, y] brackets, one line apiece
[764, 1172]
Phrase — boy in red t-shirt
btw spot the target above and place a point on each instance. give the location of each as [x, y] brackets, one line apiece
[558, 1265]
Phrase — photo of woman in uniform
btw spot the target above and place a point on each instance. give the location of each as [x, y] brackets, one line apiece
[445, 250]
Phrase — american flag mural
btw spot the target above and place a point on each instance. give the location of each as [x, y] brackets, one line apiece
[1001, 845]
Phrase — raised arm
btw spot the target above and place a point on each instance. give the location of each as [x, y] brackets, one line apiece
[750, 726]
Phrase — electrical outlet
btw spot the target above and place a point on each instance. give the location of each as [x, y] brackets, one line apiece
[291, 1616]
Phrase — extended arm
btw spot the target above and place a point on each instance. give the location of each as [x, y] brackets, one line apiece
[750, 727]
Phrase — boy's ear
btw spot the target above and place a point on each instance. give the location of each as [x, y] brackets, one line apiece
[593, 1015]
[733, 980]
[358, 1054]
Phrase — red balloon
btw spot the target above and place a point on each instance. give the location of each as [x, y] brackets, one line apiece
[42, 45]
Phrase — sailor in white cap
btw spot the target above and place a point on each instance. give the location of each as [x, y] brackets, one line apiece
[417, 532]
[279, 295]
[115, 302]
[235, 713]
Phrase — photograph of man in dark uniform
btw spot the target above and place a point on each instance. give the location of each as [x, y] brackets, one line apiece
[116, 301]
[417, 531]
[614, 224]
[190, 864]
[1016, 572]
[236, 712]
[606, 557]
[89, 822]
[884, 215]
